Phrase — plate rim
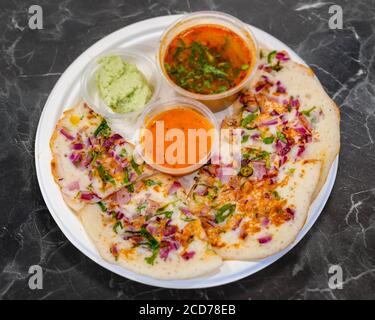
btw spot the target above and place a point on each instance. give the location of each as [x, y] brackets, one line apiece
[327, 188]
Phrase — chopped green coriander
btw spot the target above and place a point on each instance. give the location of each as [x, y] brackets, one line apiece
[281, 137]
[167, 214]
[307, 113]
[102, 206]
[248, 119]
[104, 175]
[103, 129]
[271, 55]
[277, 66]
[268, 140]
[94, 155]
[130, 187]
[215, 71]
[276, 195]
[150, 183]
[142, 207]
[123, 153]
[126, 176]
[116, 226]
[224, 212]
[187, 219]
[260, 155]
[152, 244]
[222, 89]
[135, 166]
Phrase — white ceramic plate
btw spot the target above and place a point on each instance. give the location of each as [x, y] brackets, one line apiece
[142, 36]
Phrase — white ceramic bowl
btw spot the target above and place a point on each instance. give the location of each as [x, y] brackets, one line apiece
[160, 106]
[218, 101]
[90, 90]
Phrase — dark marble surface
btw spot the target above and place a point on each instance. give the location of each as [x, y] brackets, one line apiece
[31, 61]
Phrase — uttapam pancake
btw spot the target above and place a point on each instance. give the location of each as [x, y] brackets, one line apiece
[149, 230]
[298, 84]
[288, 143]
[249, 219]
[89, 160]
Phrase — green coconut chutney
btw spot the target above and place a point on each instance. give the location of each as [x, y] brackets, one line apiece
[121, 85]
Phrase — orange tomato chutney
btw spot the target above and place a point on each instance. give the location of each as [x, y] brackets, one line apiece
[179, 150]
[208, 59]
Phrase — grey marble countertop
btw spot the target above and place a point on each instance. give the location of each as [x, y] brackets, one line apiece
[31, 62]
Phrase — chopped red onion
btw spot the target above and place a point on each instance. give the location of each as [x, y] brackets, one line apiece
[282, 160]
[164, 252]
[119, 216]
[186, 212]
[114, 250]
[88, 196]
[282, 148]
[109, 142]
[301, 130]
[174, 187]
[170, 230]
[294, 102]
[268, 69]
[132, 176]
[188, 255]
[77, 146]
[282, 56]
[301, 150]
[89, 142]
[86, 161]
[266, 78]
[260, 87]
[244, 162]
[152, 205]
[264, 239]
[291, 212]
[66, 134]
[280, 88]
[167, 247]
[201, 190]
[274, 113]
[259, 168]
[268, 123]
[123, 197]
[124, 163]
[265, 222]
[75, 158]
[212, 223]
[73, 185]
[220, 173]
[152, 229]
[255, 136]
